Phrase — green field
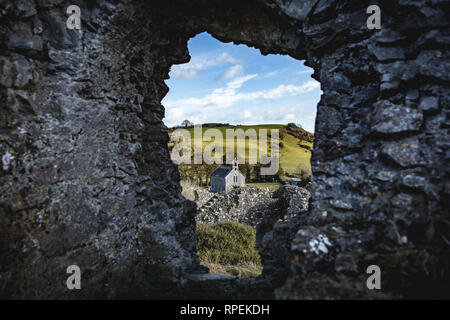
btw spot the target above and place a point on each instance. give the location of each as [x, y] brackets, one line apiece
[294, 156]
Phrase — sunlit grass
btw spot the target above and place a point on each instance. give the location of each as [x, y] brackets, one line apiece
[293, 156]
[228, 248]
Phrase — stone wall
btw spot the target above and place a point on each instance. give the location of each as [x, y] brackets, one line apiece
[89, 180]
[86, 177]
[245, 205]
[253, 206]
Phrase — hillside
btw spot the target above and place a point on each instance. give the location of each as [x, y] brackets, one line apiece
[295, 144]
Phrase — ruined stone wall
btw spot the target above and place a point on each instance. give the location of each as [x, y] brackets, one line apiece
[86, 177]
[89, 180]
[380, 189]
[245, 205]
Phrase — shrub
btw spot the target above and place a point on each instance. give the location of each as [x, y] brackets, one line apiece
[305, 172]
[227, 243]
[281, 174]
[299, 133]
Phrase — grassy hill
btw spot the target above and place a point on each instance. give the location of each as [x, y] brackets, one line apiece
[295, 144]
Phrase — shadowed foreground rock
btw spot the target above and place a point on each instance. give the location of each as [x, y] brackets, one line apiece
[86, 177]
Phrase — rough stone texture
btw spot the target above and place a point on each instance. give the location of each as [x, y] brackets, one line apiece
[247, 205]
[288, 202]
[257, 208]
[215, 286]
[389, 118]
[293, 199]
[202, 196]
[86, 177]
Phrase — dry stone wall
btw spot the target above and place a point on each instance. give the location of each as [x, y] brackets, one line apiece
[86, 176]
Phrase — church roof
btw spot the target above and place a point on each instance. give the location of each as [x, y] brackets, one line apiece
[221, 171]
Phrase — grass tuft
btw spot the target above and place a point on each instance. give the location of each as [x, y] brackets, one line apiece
[230, 245]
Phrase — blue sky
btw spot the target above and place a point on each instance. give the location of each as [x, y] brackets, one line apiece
[234, 84]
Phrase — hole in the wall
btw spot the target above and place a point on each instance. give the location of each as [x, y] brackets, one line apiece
[231, 87]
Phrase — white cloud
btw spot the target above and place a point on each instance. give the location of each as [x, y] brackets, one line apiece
[283, 90]
[226, 96]
[184, 73]
[226, 57]
[247, 114]
[257, 115]
[190, 70]
[232, 72]
[270, 74]
[305, 71]
[238, 82]
[176, 115]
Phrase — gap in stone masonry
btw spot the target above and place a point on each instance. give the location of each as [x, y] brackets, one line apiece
[227, 89]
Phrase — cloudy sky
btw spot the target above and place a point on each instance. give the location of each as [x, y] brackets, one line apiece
[238, 85]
